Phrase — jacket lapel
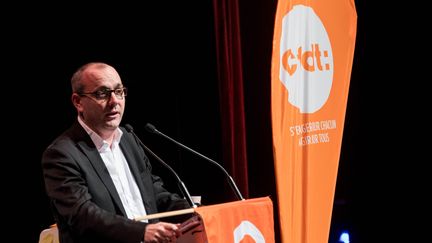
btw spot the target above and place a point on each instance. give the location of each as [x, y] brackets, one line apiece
[124, 144]
[89, 149]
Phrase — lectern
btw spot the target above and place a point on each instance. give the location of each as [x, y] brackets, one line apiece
[249, 220]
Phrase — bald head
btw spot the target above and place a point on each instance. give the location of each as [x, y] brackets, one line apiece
[81, 74]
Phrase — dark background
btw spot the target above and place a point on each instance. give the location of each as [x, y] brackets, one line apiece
[165, 55]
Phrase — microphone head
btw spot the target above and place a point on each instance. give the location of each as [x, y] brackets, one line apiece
[149, 127]
[128, 128]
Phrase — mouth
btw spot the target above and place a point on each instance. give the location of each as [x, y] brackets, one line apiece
[113, 115]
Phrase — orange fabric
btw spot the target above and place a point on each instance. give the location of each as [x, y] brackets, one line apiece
[240, 221]
[313, 48]
[49, 235]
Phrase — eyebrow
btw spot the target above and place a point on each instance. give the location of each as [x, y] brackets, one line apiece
[107, 88]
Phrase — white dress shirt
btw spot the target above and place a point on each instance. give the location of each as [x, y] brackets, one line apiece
[119, 171]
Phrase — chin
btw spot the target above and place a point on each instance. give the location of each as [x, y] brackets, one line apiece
[112, 124]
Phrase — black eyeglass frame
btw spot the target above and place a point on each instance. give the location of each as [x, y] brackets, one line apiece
[105, 94]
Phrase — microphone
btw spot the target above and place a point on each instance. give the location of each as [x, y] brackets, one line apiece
[179, 181]
[149, 127]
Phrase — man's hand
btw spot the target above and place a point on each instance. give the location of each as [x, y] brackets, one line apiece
[161, 232]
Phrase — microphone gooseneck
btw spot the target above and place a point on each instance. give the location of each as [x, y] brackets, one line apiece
[179, 181]
[149, 127]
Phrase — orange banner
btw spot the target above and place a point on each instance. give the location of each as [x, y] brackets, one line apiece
[244, 221]
[313, 48]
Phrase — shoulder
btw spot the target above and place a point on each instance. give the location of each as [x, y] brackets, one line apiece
[69, 140]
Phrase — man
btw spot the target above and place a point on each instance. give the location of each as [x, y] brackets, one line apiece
[97, 176]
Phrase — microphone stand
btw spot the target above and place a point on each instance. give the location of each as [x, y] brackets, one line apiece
[152, 129]
[182, 185]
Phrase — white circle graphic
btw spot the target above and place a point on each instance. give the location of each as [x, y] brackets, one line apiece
[247, 228]
[306, 60]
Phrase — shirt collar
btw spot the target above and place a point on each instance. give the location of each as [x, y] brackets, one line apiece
[101, 144]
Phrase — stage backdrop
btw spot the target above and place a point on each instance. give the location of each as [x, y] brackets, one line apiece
[313, 48]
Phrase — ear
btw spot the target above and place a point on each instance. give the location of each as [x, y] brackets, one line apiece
[76, 101]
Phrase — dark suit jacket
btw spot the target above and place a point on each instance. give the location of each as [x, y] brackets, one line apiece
[85, 203]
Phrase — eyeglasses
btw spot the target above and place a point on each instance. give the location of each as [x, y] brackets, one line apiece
[105, 94]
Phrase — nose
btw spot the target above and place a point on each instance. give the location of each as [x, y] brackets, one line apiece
[114, 100]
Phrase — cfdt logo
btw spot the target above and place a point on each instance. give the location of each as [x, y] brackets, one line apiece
[306, 68]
